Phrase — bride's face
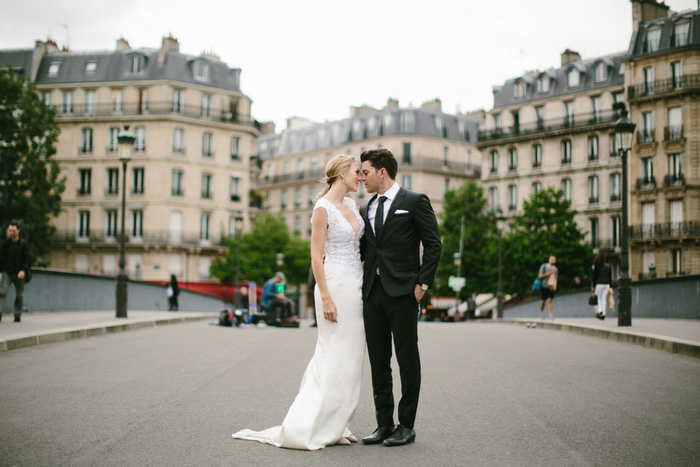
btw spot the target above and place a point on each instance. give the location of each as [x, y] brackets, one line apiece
[352, 177]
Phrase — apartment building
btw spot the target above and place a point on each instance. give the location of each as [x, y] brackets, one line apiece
[188, 178]
[436, 152]
[663, 84]
[555, 128]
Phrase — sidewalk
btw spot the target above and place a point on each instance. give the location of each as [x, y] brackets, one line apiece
[676, 336]
[47, 327]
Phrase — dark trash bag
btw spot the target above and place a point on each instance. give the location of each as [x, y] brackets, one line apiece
[225, 318]
[592, 299]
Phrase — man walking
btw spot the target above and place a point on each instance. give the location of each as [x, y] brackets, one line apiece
[15, 260]
[398, 222]
[549, 275]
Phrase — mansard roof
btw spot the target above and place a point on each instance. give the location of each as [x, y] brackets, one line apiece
[504, 95]
[387, 122]
[638, 45]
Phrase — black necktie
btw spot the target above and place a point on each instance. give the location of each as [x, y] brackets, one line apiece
[379, 218]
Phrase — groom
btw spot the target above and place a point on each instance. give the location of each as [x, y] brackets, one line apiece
[397, 221]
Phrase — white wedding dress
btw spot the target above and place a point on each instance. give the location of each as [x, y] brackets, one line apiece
[330, 388]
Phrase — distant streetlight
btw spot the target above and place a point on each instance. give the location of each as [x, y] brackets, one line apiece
[500, 225]
[624, 130]
[279, 257]
[126, 141]
[238, 225]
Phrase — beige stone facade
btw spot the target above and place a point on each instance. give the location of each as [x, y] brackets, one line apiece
[436, 152]
[188, 178]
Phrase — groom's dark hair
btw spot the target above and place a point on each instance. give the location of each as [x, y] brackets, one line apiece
[381, 159]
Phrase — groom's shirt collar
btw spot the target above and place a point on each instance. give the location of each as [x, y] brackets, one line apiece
[391, 193]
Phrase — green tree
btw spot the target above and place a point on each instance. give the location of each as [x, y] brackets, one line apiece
[467, 202]
[259, 248]
[545, 228]
[30, 181]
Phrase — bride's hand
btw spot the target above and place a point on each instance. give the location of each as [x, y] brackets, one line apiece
[329, 311]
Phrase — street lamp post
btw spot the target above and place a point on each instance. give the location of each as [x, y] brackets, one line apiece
[126, 146]
[458, 264]
[238, 225]
[624, 130]
[279, 258]
[500, 225]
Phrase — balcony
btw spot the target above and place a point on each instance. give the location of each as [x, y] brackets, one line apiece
[163, 108]
[645, 183]
[664, 230]
[645, 136]
[571, 122]
[665, 86]
[592, 200]
[606, 245]
[148, 237]
[674, 180]
[673, 132]
[615, 197]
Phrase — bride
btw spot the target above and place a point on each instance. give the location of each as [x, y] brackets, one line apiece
[330, 388]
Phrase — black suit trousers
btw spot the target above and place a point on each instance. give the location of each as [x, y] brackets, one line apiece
[398, 316]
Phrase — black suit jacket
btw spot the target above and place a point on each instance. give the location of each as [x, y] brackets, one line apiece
[397, 250]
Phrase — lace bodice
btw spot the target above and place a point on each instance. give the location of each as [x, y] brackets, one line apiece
[342, 247]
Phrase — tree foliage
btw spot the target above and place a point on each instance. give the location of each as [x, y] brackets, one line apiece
[30, 181]
[545, 228]
[259, 248]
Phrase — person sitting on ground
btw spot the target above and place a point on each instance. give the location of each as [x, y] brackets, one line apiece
[278, 307]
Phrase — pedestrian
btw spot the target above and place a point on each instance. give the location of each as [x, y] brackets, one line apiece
[549, 274]
[471, 307]
[173, 291]
[15, 262]
[275, 303]
[602, 278]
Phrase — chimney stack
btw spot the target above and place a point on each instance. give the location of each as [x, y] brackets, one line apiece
[647, 10]
[569, 56]
[123, 44]
[169, 43]
[435, 104]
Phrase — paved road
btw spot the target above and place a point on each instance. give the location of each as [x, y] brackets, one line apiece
[492, 394]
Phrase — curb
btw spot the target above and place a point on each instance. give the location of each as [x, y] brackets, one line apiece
[52, 337]
[650, 341]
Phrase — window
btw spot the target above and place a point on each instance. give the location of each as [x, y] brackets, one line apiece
[652, 39]
[83, 224]
[647, 169]
[204, 227]
[536, 155]
[137, 187]
[312, 194]
[675, 174]
[543, 84]
[675, 217]
[512, 197]
[440, 127]
[675, 261]
[536, 187]
[468, 159]
[178, 141]
[85, 186]
[680, 33]
[616, 231]
[143, 101]
[136, 63]
[205, 108]
[648, 260]
[207, 141]
[648, 79]
[566, 189]
[675, 123]
[568, 113]
[86, 140]
[539, 113]
[112, 181]
[463, 130]
[613, 145]
[204, 267]
[615, 193]
[406, 157]
[493, 161]
[497, 121]
[90, 68]
[297, 226]
[445, 156]
[117, 101]
[519, 89]
[572, 77]
[566, 151]
[596, 103]
[648, 219]
[111, 220]
[493, 199]
[140, 143]
[593, 189]
[47, 98]
[206, 186]
[176, 183]
[90, 104]
[516, 121]
[201, 70]
[67, 102]
[137, 223]
[113, 141]
[447, 185]
[676, 75]
[593, 148]
[177, 103]
[408, 122]
[387, 120]
[235, 189]
[618, 97]
[406, 182]
[235, 142]
[54, 69]
[512, 159]
[297, 197]
[646, 133]
[601, 72]
[593, 225]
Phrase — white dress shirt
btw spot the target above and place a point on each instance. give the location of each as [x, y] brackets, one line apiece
[372, 208]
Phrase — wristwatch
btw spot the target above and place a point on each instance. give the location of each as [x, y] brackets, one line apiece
[424, 287]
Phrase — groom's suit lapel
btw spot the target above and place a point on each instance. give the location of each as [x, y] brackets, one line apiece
[392, 210]
[366, 215]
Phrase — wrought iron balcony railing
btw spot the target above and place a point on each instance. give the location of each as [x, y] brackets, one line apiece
[664, 86]
[645, 136]
[665, 230]
[674, 180]
[147, 237]
[646, 183]
[673, 132]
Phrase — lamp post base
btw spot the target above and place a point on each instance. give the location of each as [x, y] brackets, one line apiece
[624, 312]
[122, 295]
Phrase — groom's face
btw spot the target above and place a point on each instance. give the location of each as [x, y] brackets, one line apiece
[371, 177]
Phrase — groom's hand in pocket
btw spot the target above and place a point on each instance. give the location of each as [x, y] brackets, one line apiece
[418, 292]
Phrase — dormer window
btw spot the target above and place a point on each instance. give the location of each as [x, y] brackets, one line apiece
[136, 63]
[680, 33]
[601, 72]
[53, 68]
[519, 90]
[543, 84]
[652, 39]
[90, 68]
[201, 70]
[573, 78]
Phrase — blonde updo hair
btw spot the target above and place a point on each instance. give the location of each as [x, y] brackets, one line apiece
[336, 167]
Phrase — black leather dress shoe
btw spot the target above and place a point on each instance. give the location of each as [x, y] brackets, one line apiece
[401, 436]
[379, 435]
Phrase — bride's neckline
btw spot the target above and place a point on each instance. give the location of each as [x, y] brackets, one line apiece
[359, 226]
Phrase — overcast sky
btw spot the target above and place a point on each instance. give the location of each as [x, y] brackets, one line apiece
[316, 58]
